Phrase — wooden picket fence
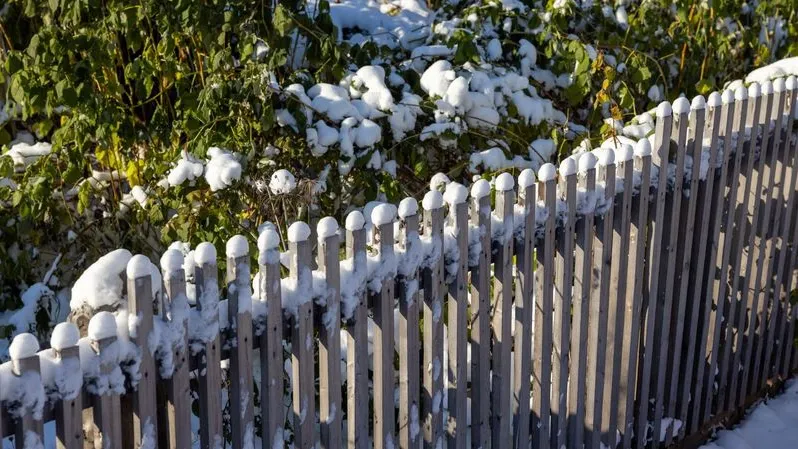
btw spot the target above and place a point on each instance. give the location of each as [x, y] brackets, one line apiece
[640, 325]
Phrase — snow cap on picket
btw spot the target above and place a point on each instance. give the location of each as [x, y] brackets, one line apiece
[779, 85]
[138, 266]
[792, 82]
[355, 221]
[455, 193]
[64, 335]
[480, 188]
[408, 207]
[526, 178]
[754, 90]
[664, 109]
[699, 102]
[547, 172]
[237, 247]
[624, 153]
[299, 231]
[728, 96]
[171, 261]
[643, 147]
[269, 238]
[767, 87]
[681, 105]
[741, 93]
[327, 227]
[102, 325]
[383, 214]
[432, 200]
[24, 346]
[714, 100]
[587, 161]
[568, 166]
[438, 181]
[205, 253]
[505, 182]
[606, 158]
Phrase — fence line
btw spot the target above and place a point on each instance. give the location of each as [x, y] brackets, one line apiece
[632, 299]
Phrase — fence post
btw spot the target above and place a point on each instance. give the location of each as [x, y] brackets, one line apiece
[25, 363]
[433, 285]
[634, 296]
[177, 433]
[357, 364]
[480, 318]
[271, 341]
[239, 315]
[457, 325]
[107, 409]
[330, 410]
[524, 306]
[651, 284]
[616, 318]
[68, 411]
[583, 273]
[563, 302]
[302, 358]
[501, 416]
[383, 302]
[140, 300]
[409, 344]
[208, 368]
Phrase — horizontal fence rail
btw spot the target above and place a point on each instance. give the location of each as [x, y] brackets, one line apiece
[631, 298]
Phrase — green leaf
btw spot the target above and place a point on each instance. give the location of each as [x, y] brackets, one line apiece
[704, 86]
[83, 197]
[282, 20]
[14, 63]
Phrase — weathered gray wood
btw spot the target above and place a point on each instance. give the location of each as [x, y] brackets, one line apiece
[684, 258]
[29, 424]
[702, 242]
[107, 409]
[480, 328]
[667, 291]
[409, 342]
[330, 405]
[433, 279]
[564, 278]
[583, 271]
[633, 300]
[457, 425]
[616, 318]
[210, 374]
[651, 287]
[715, 254]
[239, 313]
[383, 304]
[302, 354]
[140, 300]
[177, 423]
[501, 415]
[522, 348]
[271, 352]
[4, 417]
[68, 411]
[544, 311]
[357, 355]
[760, 313]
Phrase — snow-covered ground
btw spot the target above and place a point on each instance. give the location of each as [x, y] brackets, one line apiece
[773, 424]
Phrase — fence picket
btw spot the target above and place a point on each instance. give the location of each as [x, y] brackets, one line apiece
[583, 271]
[544, 310]
[239, 314]
[209, 370]
[433, 278]
[524, 306]
[456, 332]
[564, 274]
[302, 363]
[271, 349]
[107, 409]
[501, 415]
[409, 343]
[330, 407]
[29, 425]
[383, 304]
[480, 325]
[357, 355]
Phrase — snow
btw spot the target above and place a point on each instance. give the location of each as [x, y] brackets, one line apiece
[643, 148]
[568, 166]
[205, 253]
[587, 162]
[436, 79]
[741, 93]
[222, 169]
[23, 346]
[432, 200]
[282, 182]
[779, 85]
[681, 106]
[355, 221]
[23, 153]
[33, 298]
[547, 172]
[102, 325]
[138, 266]
[383, 214]
[298, 232]
[172, 261]
[237, 247]
[714, 100]
[480, 189]
[664, 109]
[754, 90]
[504, 182]
[767, 87]
[326, 227]
[64, 335]
[408, 207]
[494, 49]
[782, 68]
[455, 193]
[100, 284]
[728, 95]
[625, 153]
[698, 103]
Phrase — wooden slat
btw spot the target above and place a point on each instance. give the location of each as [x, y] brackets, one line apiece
[760, 313]
[107, 409]
[357, 355]
[383, 304]
[651, 287]
[685, 323]
[664, 406]
[633, 300]
[522, 348]
[564, 278]
[330, 405]
[480, 327]
[457, 327]
[616, 317]
[409, 341]
[544, 311]
[68, 411]
[702, 242]
[501, 416]
[177, 423]
[209, 371]
[239, 313]
[433, 278]
[271, 352]
[140, 300]
[303, 387]
[4, 417]
[29, 425]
